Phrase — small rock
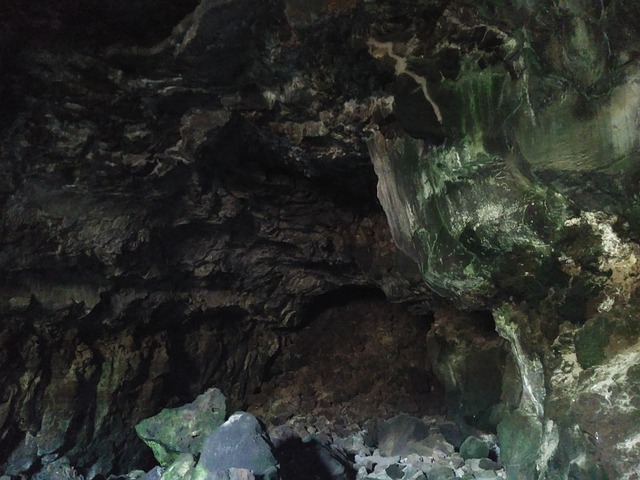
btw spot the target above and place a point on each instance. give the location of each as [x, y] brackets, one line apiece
[421, 462]
[132, 475]
[381, 475]
[440, 473]
[472, 463]
[375, 461]
[456, 461]
[436, 441]
[488, 464]
[58, 470]
[394, 471]
[362, 473]
[403, 435]
[485, 475]
[473, 447]
[355, 444]
[232, 474]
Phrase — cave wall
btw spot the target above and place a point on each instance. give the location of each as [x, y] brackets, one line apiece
[182, 184]
[514, 189]
[162, 224]
[358, 359]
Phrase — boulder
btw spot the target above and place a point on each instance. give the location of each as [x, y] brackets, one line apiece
[403, 435]
[473, 447]
[181, 469]
[241, 442]
[175, 431]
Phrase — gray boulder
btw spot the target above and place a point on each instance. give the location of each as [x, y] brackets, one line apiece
[404, 435]
[239, 443]
[401, 435]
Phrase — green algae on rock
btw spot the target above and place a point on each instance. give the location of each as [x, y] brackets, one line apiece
[175, 431]
[464, 215]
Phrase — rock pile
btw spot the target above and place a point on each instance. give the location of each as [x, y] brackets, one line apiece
[401, 448]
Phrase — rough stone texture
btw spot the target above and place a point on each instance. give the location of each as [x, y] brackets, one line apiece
[182, 430]
[402, 435]
[154, 474]
[166, 226]
[405, 435]
[310, 458]
[240, 442]
[364, 359]
[473, 447]
[469, 358]
[181, 468]
[182, 183]
[485, 188]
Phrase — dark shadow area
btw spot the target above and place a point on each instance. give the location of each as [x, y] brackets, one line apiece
[337, 298]
[354, 357]
[311, 460]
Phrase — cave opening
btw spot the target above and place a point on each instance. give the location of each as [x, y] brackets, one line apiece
[354, 358]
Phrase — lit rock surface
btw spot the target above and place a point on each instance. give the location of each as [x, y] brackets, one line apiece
[176, 431]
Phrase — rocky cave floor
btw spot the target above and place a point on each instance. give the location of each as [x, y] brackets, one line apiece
[329, 441]
[243, 448]
[351, 395]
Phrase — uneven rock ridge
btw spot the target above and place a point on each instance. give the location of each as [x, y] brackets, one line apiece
[237, 193]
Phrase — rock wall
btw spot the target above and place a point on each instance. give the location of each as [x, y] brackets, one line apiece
[513, 187]
[184, 186]
[166, 219]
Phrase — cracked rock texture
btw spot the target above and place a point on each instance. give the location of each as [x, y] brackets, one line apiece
[188, 196]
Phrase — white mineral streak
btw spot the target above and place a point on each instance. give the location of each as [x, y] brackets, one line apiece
[629, 448]
[550, 442]
[533, 390]
[531, 372]
[630, 444]
[288, 93]
[618, 257]
[609, 377]
[234, 418]
[393, 199]
[379, 49]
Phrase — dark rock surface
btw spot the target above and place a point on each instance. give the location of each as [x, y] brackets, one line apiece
[473, 447]
[364, 359]
[186, 188]
[166, 224]
[309, 458]
[240, 442]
